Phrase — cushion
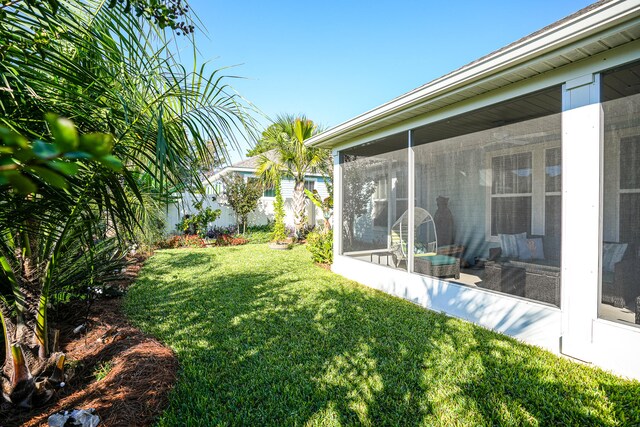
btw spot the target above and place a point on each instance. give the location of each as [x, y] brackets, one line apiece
[436, 259]
[612, 253]
[530, 249]
[509, 244]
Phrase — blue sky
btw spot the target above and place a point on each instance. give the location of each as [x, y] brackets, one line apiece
[333, 60]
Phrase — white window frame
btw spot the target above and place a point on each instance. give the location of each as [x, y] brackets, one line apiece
[622, 191]
[611, 229]
[538, 185]
[312, 181]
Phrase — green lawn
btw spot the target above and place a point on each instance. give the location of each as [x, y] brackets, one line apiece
[267, 338]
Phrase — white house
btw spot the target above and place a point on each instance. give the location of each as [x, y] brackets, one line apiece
[246, 168]
[507, 192]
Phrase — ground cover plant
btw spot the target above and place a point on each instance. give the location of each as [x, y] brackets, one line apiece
[266, 338]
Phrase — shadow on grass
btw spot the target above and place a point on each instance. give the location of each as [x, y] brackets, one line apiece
[273, 347]
[176, 260]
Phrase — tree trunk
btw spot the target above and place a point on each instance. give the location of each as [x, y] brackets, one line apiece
[299, 207]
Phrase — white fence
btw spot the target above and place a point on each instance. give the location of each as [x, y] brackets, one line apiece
[260, 216]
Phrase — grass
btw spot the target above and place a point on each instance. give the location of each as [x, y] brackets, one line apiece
[267, 338]
[258, 234]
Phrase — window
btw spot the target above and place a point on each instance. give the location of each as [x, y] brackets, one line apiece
[511, 193]
[402, 193]
[269, 192]
[390, 194]
[380, 202]
[309, 185]
[214, 188]
[525, 194]
[629, 188]
[553, 200]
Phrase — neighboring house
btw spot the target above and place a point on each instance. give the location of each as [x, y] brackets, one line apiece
[214, 187]
[507, 192]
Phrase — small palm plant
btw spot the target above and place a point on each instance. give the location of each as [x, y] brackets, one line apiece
[294, 159]
[43, 247]
[66, 189]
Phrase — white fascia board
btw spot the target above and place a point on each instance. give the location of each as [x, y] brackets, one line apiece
[250, 170]
[224, 172]
[583, 26]
[230, 169]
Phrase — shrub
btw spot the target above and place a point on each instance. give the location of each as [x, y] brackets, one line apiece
[321, 246]
[197, 223]
[193, 241]
[188, 241]
[169, 243]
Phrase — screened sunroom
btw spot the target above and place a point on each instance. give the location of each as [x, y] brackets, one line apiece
[508, 192]
[479, 180]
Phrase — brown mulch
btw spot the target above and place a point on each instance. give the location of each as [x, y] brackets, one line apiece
[142, 371]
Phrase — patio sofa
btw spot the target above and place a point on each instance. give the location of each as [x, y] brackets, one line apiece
[538, 278]
[535, 276]
[539, 282]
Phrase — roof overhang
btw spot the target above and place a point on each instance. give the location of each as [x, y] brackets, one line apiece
[591, 31]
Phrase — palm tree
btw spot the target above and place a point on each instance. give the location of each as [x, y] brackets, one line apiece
[294, 159]
[66, 217]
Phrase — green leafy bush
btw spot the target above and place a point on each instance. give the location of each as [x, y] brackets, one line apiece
[321, 246]
[279, 233]
[198, 223]
[102, 370]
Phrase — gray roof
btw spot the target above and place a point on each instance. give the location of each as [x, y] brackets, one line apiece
[253, 162]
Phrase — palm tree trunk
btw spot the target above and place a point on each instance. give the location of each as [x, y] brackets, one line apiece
[299, 207]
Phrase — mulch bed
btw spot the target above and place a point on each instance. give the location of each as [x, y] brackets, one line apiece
[141, 371]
